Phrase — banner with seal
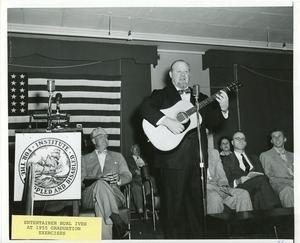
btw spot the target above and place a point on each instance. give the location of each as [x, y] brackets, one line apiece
[56, 159]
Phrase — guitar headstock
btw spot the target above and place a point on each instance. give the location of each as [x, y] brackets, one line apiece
[234, 85]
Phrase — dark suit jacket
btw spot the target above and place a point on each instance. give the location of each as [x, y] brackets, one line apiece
[131, 164]
[233, 170]
[186, 152]
[132, 167]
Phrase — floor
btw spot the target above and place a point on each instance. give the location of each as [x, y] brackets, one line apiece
[140, 228]
[143, 228]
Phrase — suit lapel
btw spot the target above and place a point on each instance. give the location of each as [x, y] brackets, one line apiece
[172, 95]
[108, 158]
[95, 165]
[134, 163]
[237, 163]
[252, 161]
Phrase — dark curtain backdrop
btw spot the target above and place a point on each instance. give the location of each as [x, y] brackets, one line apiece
[136, 86]
[131, 62]
[266, 99]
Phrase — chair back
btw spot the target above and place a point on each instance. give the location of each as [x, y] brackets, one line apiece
[145, 174]
[148, 181]
[151, 197]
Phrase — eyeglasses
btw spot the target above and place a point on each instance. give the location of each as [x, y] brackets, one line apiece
[240, 139]
[277, 137]
[102, 136]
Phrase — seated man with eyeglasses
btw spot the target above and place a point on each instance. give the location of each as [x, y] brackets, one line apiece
[245, 171]
[102, 173]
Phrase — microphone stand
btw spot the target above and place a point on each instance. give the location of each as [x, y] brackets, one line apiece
[49, 110]
[57, 107]
[202, 165]
[28, 195]
[58, 112]
[235, 75]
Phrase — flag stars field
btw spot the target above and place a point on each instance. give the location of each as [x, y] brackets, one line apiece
[91, 101]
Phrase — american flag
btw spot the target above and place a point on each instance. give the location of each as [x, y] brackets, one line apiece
[91, 102]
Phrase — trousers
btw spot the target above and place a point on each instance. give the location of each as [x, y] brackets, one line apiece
[137, 194]
[285, 192]
[240, 201]
[181, 207]
[105, 200]
[262, 194]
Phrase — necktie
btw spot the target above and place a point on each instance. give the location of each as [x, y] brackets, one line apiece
[283, 156]
[101, 158]
[187, 91]
[247, 166]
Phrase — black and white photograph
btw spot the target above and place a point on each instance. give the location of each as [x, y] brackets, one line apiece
[149, 122]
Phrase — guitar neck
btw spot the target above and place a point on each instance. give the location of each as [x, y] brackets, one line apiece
[205, 102]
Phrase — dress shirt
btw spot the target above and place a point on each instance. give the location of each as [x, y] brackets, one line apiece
[208, 174]
[282, 154]
[139, 161]
[101, 158]
[240, 159]
[225, 114]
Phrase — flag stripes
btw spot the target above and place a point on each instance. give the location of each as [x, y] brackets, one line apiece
[90, 102]
[75, 100]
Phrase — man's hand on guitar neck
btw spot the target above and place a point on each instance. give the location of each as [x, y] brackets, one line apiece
[173, 125]
[222, 98]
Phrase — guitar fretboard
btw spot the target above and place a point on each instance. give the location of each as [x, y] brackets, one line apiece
[205, 102]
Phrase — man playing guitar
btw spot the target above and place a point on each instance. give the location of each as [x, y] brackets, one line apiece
[181, 202]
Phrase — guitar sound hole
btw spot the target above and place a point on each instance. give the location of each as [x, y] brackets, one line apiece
[182, 117]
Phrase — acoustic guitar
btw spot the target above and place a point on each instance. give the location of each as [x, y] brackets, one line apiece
[184, 112]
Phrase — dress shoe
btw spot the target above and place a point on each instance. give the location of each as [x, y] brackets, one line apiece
[141, 216]
[121, 230]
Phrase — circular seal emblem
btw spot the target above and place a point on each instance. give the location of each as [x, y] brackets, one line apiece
[55, 165]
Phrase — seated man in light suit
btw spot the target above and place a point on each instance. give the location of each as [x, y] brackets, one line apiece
[218, 190]
[278, 165]
[107, 171]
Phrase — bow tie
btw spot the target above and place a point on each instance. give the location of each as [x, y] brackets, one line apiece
[187, 91]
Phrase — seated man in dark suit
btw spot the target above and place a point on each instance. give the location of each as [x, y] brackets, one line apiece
[218, 190]
[106, 171]
[135, 162]
[237, 167]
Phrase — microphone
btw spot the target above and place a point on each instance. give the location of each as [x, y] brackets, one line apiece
[58, 97]
[51, 85]
[196, 90]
